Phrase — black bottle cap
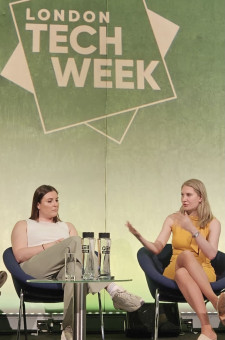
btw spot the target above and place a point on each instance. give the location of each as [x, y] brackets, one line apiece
[88, 234]
[104, 235]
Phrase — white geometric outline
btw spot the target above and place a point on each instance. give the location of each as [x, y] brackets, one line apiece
[88, 122]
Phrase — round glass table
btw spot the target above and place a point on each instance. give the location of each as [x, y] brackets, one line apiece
[80, 291]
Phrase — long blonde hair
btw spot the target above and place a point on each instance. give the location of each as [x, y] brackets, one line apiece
[204, 211]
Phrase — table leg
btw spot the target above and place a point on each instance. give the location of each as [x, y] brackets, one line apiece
[79, 327]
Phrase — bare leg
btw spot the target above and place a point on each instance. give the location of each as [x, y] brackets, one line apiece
[193, 283]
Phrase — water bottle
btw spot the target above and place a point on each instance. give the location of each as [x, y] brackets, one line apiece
[104, 245]
[88, 253]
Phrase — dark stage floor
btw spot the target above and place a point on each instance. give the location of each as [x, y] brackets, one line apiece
[120, 336]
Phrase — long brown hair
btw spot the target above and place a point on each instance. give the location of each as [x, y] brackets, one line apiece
[204, 211]
[39, 193]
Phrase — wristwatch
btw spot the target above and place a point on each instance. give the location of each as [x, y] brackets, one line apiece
[196, 234]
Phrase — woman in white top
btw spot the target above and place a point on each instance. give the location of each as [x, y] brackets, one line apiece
[39, 244]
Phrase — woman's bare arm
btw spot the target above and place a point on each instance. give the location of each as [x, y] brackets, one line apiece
[72, 229]
[160, 242]
[19, 243]
[210, 246]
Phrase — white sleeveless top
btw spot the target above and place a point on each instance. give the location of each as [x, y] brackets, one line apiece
[44, 232]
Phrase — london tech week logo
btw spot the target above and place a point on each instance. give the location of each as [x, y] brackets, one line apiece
[91, 62]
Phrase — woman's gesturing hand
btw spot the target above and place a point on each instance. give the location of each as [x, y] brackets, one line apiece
[184, 221]
[133, 230]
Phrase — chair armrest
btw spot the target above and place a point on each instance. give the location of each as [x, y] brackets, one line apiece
[152, 269]
[218, 264]
[18, 274]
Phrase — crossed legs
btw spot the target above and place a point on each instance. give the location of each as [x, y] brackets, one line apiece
[50, 264]
[194, 284]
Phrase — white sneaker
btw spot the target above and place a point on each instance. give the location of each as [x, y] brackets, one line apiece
[67, 334]
[126, 301]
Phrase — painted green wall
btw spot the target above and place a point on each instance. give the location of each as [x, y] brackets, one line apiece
[133, 169]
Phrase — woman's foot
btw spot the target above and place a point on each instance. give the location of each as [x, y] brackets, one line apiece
[122, 299]
[67, 333]
[204, 337]
[221, 307]
[207, 333]
[126, 301]
[3, 278]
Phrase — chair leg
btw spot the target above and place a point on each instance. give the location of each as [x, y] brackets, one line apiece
[156, 330]
[22, 310]
[19, 317]
[24, 321]
[101, 316]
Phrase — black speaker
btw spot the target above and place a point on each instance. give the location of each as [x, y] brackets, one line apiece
[141, 323]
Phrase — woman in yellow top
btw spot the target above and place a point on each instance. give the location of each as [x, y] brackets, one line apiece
[195, 243]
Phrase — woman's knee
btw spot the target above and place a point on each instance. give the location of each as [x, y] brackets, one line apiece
[184, 259]
[73, 243]
[180, 274]
[186, 255]
[75, 238]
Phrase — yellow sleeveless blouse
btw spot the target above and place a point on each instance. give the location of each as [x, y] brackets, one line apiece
[183, 240]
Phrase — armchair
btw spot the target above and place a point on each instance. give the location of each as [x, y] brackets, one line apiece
[164, 289]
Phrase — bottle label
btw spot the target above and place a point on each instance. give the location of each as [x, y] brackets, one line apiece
[85, 248]
[105, 250]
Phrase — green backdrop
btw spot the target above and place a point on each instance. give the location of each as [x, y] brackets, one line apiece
[119, 139]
